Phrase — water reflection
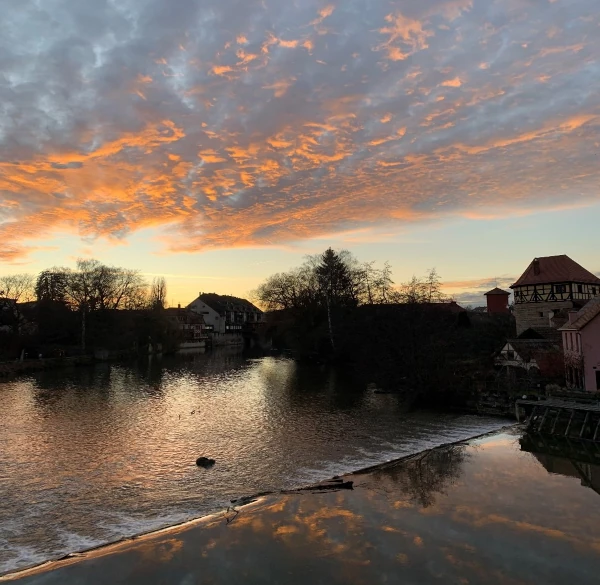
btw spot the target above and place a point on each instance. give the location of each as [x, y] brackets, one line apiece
[481, 514]
[568, 457]
[420, 479]
[92, 454]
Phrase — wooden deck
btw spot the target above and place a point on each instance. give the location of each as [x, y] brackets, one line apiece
[557, 417]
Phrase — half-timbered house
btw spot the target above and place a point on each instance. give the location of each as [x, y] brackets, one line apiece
[551, 284]
[534, 357]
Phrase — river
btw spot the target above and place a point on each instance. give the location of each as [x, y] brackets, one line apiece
[92, 454]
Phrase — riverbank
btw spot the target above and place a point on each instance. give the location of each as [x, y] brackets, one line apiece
[476, 512]
[18, 368]
[28, 366]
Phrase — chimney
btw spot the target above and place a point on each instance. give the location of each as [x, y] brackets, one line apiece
[536, 266]
[572, 317]
[179, 306]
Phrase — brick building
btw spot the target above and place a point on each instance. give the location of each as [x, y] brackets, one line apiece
[497, 301]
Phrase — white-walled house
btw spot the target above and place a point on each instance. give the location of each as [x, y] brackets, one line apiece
[581, 346]
[211, 317]
[227, 317]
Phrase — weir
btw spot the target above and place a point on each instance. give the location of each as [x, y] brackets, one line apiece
[561, 418]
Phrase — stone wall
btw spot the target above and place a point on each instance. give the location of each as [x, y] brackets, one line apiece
[528, 314]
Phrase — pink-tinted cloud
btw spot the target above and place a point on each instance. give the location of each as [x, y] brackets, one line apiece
[265, 122]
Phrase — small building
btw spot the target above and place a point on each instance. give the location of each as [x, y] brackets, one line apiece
[189, 327]
[532, 357]
[581, 346]
[497, 301]
[228, 318]
[548, 285]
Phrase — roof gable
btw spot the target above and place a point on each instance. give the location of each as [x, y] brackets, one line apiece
[530, 349]
[584, 317]
[497, 291]
[551, 269]
[222, 303]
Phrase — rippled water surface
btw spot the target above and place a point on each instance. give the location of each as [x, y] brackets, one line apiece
[93, 454]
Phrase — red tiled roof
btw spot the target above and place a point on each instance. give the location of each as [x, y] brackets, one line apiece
[497, 291]
[554, 269]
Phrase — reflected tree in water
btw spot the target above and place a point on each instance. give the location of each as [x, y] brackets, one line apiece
[424, 477]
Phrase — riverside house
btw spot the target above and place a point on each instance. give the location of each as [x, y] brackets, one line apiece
[549, 285]
[227, 318]
[189, 327]
[581, 346]
[536, 358]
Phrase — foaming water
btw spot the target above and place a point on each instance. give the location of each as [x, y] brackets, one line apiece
[94, 454]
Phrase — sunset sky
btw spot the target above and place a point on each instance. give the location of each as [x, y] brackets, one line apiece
[218, 141]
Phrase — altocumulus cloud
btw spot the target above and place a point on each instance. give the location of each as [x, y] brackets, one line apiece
[246, 122]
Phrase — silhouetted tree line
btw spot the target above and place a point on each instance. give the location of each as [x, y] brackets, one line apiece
[92, 305]
[408, 339]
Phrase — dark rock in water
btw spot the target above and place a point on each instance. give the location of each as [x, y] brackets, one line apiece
[205, 462]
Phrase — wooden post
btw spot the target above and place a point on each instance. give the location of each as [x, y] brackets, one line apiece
[558, 411]
[585, 423]
[570, 421]
[596, 431]
[543, 419]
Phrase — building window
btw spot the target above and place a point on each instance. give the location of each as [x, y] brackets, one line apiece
[580, 288]
[541, 313]
[593, 290]
[510, 354]
[560, 288]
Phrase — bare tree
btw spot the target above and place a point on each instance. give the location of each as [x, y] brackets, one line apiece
[15, 289]
[423, 290]
[158, 293]
[351, 284]
[433, 283]
[369, 278]
[378, 284]
[19, 288]
[128, 288]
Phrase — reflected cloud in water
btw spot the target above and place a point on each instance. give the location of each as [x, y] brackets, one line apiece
[480, 513]
[93, 454]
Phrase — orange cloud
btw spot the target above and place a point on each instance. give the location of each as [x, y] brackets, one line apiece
[243, 140]
[406, 31]
[456, 82]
